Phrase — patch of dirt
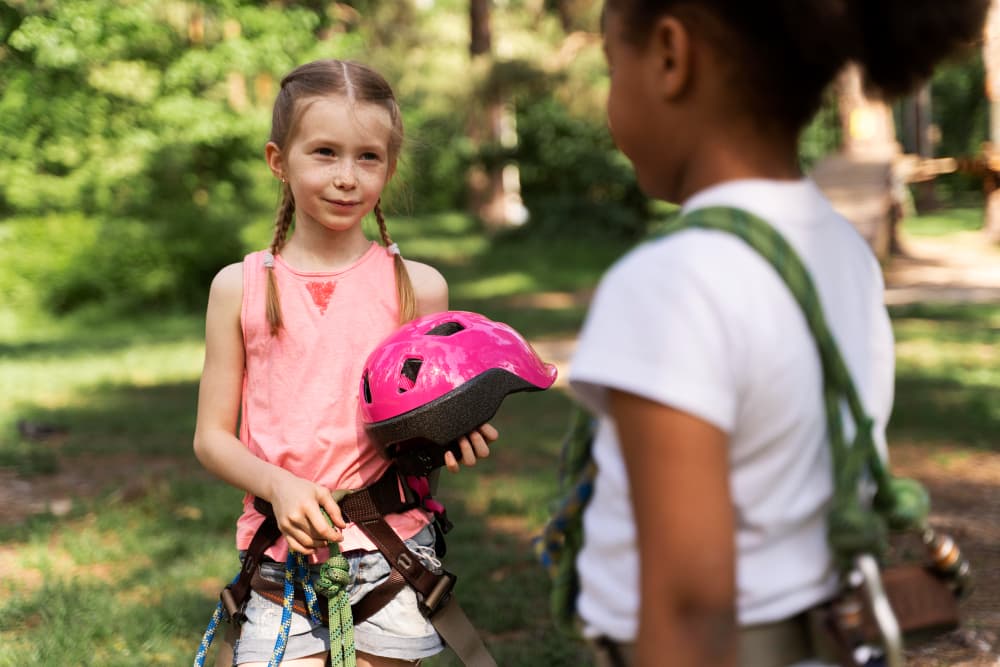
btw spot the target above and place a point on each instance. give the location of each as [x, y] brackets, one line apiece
[965, 503]
[956, 268]
[127, 476]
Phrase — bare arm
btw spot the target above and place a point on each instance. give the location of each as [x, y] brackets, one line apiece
[429, 287]
[431, 292]
[678, 471]
[296, 501]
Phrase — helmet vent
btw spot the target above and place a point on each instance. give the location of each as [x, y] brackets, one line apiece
[446, 329]
[367, 389]
[409, 372]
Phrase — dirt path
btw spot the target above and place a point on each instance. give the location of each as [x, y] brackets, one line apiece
[959, 268]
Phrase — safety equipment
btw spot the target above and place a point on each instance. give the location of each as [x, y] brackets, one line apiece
[439, 377]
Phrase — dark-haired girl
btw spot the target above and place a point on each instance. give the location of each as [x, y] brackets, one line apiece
[707, 529]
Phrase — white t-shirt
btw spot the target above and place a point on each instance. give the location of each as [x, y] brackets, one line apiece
[700, 322]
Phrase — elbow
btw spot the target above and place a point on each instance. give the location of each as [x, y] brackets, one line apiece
[201, 449]
[703, 625]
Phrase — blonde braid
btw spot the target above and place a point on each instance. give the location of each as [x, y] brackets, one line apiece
[404, 286]
[282, 221]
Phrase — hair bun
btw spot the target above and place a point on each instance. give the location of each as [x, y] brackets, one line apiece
[900, 41]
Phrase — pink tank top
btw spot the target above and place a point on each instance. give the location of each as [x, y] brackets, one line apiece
[300, 388]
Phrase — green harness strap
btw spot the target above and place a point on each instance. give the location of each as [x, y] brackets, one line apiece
[900, 504]
[854, 527]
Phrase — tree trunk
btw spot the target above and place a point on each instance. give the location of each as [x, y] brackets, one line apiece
[485, 181]
[921, 140]
[862, 181]
[868, 128]
[991, 59]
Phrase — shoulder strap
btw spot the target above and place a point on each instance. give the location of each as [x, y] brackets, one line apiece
[852, 529]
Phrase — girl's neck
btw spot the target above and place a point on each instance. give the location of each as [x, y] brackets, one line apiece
[326, 251]
[727, 158]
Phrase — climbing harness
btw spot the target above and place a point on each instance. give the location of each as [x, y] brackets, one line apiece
[366, 509]
[879, 604]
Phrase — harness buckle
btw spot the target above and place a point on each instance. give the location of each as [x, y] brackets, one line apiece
[233, 610]
[439, 595]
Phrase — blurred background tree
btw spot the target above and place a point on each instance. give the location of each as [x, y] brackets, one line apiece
[133, 130]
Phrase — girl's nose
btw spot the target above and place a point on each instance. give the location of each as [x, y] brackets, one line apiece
[343, 175]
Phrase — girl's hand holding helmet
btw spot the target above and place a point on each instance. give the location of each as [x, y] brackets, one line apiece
[475, 445]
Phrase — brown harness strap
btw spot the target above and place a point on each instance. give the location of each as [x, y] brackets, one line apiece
[377, 598]
[434, 589]
[235, 595]
[360, 508]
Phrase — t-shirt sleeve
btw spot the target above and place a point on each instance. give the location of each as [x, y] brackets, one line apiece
[660, 328]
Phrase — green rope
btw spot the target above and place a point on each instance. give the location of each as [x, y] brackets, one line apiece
[334, 576]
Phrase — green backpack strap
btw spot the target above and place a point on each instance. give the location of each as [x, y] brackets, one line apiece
[854, 529]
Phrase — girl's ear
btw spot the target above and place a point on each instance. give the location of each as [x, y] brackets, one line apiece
[274, 160]
[669, 53]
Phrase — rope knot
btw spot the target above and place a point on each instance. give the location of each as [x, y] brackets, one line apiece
[334, 576]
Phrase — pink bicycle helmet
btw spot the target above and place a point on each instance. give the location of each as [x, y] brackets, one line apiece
[439, 377]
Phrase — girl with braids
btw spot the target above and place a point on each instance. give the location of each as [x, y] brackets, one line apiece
[287, 332]
[705, 539]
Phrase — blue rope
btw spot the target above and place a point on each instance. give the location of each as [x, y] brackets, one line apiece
[312, 603]
[209, 636]
[281, 643]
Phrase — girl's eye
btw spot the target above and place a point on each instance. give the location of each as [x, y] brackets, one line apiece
[369, 156]
[324, 151]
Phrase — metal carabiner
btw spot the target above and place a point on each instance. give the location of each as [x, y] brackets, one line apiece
[870, 581]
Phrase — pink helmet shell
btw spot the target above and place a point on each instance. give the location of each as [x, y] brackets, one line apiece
[440, 376]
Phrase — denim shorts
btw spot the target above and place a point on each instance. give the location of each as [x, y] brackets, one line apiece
[397, 630]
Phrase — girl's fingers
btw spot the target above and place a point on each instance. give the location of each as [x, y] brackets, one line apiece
[488, 432]
[321, 528]
[333, 511]
[299, 541]
[472, 447]
[450, 462]
[480, 443]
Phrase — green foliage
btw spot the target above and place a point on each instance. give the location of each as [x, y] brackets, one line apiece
[960, 108]
[573, 179]
[142, 124]
[823, 134]
[133, 130]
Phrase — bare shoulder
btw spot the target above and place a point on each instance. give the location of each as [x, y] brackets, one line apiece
[227, 287]
[429, 287]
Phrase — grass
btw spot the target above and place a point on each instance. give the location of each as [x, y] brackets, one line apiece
[130, 576]
[945, 222]
[947, 373]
